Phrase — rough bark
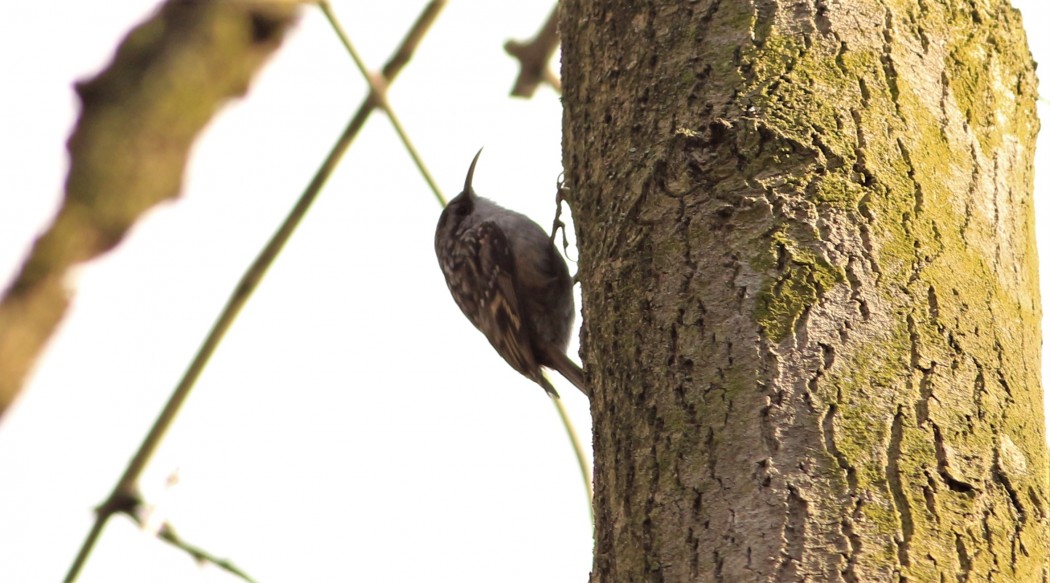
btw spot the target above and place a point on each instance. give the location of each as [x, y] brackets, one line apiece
[809, 289]
[140, 117]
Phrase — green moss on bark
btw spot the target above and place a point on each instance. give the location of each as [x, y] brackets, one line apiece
[801, 281]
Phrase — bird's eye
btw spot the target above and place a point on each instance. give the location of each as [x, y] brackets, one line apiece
[461, 209]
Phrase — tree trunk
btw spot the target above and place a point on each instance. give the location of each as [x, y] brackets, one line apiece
[810, 294]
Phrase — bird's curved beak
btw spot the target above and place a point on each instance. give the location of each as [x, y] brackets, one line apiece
[467, 185]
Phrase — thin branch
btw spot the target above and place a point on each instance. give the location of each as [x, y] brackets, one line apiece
[125, 488]
[167, 534]
[581, 459]
[378, 86]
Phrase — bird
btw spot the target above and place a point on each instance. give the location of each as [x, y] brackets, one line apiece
[510, 282]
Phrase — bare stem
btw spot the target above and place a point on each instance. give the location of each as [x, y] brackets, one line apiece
[581, 459]
[378, 86]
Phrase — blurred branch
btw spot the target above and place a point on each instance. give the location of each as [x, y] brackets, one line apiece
[132, 507]
[378, 85]
[581, 459]
[138, 120]
[534, 56]
[167, 534]
[125, 489]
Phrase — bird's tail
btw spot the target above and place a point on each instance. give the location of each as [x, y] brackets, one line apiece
[568, 369]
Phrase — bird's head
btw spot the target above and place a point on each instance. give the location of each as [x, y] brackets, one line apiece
[460, 207]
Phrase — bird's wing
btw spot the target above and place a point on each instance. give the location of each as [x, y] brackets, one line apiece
[489, 297]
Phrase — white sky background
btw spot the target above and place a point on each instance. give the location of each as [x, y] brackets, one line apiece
[337, 433]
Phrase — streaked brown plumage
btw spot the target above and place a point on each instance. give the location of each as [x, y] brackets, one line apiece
[510, 282]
